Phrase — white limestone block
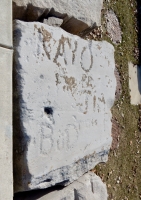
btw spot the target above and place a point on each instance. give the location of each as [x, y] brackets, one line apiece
[66, 88]
[87, 11]
[6, 172]
[134, 83]
[6, 23]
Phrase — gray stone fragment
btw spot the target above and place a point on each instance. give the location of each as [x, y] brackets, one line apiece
[53, 21]
[66, 88]
[113, 27]
[134, 83]
[87, 187]
[64, 194]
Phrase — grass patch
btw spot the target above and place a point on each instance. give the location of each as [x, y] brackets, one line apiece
[122, 172]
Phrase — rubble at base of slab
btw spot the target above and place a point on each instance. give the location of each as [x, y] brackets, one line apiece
[87, 187]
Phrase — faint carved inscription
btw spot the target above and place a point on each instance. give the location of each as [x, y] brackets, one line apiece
[72, 135]
[46, 140]
[66, 139]
[86, 61]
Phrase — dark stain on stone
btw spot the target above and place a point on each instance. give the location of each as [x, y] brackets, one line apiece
[48, 110]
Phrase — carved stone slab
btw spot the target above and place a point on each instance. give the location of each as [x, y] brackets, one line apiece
[65, 90]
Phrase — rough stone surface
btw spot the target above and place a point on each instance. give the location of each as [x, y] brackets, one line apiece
[6, 175]
[67, 88]
[86, 11]
[6, 23]
[134, 83]
[88, 187]
[113, 27]
[53, 21]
